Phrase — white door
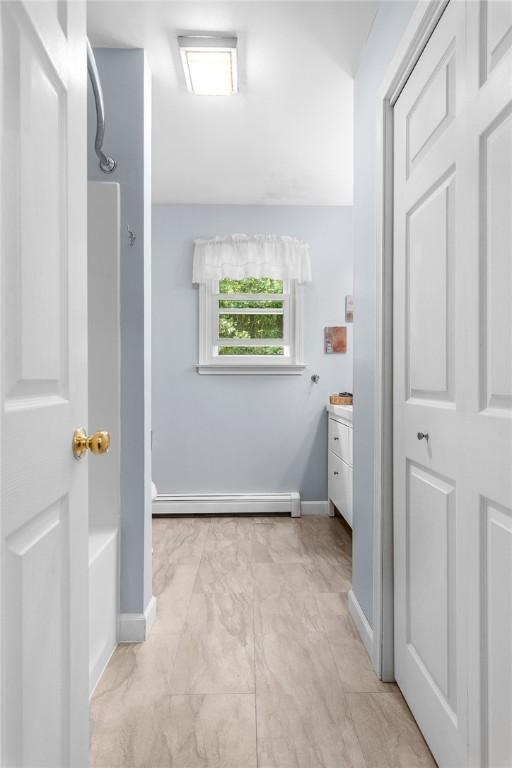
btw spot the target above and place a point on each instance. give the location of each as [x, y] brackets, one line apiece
[453, 381]
[44, 538]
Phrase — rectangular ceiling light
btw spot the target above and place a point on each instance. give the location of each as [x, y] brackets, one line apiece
[209, 63]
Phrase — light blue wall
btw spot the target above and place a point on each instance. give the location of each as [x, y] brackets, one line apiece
[126, 87]
[389, 24]
[244, 433]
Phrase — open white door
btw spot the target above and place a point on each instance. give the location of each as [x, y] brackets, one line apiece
[453, 387]
[44, 541]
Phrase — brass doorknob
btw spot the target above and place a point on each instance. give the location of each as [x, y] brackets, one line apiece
[97, 443]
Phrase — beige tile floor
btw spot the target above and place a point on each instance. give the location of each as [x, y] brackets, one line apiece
[253, 661]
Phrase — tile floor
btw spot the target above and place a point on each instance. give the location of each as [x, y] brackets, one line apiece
[253, 661]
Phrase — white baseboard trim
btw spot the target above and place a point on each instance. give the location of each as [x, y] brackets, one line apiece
[96, 674]
[319, 508]
[135, 627]
[361, 622]
[227, 503]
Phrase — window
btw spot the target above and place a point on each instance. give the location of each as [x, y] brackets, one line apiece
[251, 303]
[253, 325]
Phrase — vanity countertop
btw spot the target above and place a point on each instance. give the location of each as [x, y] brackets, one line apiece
[343, 411]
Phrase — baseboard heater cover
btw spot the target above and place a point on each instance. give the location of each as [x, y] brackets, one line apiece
[227, 503]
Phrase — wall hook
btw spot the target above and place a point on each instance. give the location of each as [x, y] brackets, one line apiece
[131, 237]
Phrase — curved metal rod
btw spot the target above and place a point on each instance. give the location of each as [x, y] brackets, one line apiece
[107, 164]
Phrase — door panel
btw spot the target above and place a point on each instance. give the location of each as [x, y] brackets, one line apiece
[430, 652]
[496, 192]
[429, 266]
[453, 380]
[37, 575]
[490, 141]
[44, 662]
[496, 32]
[430, 561]
[35, 225]
[433, 109]
[497, 561]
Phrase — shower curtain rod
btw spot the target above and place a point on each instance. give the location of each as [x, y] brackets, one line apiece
[107, 164]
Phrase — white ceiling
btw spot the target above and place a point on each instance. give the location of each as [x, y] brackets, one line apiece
[286, 137]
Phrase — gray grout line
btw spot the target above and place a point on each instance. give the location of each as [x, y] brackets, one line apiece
[254, 656]
[348, 712]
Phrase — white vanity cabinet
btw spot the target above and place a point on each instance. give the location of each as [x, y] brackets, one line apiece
[340, 460]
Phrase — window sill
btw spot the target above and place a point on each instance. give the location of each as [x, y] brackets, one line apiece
[244, 369]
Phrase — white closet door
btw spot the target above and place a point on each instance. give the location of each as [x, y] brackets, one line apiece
[44, 539]
[453, 381]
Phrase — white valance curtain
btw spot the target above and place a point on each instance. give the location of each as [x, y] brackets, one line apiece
[239, 256]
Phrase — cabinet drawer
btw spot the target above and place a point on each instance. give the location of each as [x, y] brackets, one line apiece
[340, 486]
[340, 440]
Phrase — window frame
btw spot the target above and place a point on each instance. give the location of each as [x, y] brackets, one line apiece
[293, 333]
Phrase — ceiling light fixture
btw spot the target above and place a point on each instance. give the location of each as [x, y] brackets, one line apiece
[210, 64]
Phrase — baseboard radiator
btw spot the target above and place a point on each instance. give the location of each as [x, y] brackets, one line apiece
[167, 504]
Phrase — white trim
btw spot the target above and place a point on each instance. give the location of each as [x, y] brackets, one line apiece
[297, 324]
[361, 622]
[316, 508]
[135, 627]
[205, 322]
[227, 503]
[100, 540]
[251, 311]
[254, 343]
[249, 297]
[414, 39]
[237, 369]
[99, 672]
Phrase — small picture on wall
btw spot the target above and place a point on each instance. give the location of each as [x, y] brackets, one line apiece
[349, 309]
[335, 339]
